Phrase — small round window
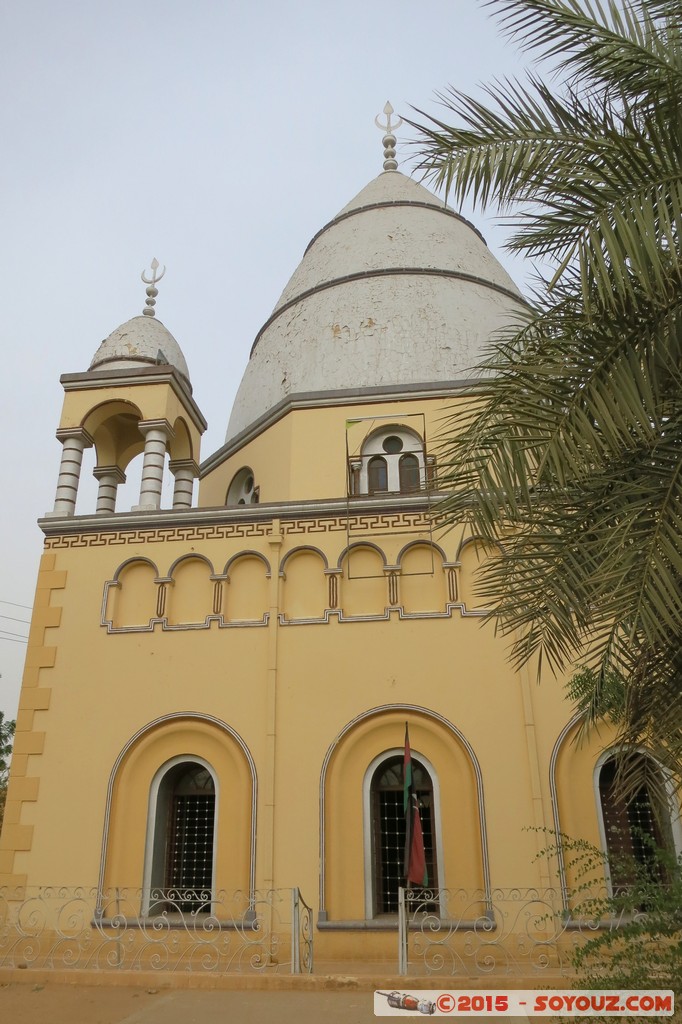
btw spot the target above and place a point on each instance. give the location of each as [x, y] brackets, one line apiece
[392, 445]
[243, 490]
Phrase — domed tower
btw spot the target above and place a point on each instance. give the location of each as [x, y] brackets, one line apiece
[135, 397]
[394, 300]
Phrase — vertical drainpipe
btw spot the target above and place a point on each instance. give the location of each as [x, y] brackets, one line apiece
[540, 819]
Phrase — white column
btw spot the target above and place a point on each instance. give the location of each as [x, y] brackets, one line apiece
[184, 471]
[74, 441]
[157, 433]
[109, 478]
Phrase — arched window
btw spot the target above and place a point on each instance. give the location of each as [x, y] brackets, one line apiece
[391, 459]
[183, 839]
[633, 829]
[408, 469]
[387, 823]
[377, 475]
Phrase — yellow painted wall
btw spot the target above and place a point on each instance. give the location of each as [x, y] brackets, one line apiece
[302, 456]
[191, 623]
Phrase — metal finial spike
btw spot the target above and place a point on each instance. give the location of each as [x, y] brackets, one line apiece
[152, 290]
[389, 140]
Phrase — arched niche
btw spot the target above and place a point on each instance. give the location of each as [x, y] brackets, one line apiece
[364, 589]
[132, 797]
[423, 583]
[347, 855]
[132, 595]
[471, 557]
[305, 591]
[180, 444]
[246, 595]
[190, 591]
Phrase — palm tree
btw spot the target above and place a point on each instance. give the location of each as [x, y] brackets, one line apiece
[569, 453]
[6, 734]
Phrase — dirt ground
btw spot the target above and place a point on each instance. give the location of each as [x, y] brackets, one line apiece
[82, 1004]
[68, 1004]
[50, 1003]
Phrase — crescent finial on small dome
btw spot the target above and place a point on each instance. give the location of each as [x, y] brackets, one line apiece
[389, 139]
[152, 290]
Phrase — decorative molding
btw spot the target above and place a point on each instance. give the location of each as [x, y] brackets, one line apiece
[391, 573]
[129, 533]
[554, 797]
[390, 205]
[363, 275]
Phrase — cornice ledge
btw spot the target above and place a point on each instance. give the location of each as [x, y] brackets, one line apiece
[120, 522]
[121, 378]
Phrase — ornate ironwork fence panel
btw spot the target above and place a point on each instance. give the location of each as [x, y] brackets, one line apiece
[508, 932]
[222, 932]
[302, 930]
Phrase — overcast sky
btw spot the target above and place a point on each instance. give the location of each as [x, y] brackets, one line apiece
[216, 135]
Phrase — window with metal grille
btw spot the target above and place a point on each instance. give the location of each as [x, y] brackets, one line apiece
[377, 475]
[388, 827]
[409, 473]
[634, 830]
[182, 873]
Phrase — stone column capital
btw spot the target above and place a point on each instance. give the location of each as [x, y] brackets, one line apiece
[114, 472]
[184, 466]
[75, 433]
[162, 425]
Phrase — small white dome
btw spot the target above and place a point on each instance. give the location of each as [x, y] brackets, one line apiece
[396, 290]
[144, 339]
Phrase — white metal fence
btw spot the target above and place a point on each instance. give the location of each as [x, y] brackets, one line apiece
[506, 932]
[223, 932]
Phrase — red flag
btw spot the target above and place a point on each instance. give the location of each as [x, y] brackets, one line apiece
[415, 859]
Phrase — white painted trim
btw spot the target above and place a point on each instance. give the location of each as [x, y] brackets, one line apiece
[368, 834]
[372, 447]
[151, 821]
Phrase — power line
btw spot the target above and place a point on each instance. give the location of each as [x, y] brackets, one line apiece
[11, 641]
[14, 603]
[12, 619]
[9, 633]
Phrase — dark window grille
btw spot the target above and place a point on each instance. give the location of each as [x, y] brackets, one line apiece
[634, 830]
[388, 821]
[190, 816]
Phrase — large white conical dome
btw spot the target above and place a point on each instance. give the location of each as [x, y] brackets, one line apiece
[396, 290]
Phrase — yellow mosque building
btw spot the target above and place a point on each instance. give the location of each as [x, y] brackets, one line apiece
[215, 693]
